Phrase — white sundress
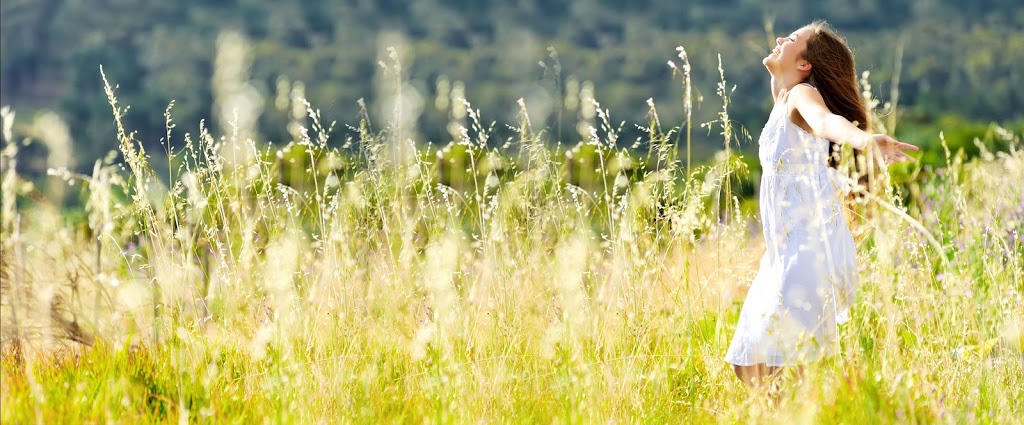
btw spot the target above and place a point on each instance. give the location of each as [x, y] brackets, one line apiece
[805, 284]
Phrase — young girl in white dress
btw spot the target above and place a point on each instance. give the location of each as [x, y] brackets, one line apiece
[805, 284]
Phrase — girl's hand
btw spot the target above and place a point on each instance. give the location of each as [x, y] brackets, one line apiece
[891, 150]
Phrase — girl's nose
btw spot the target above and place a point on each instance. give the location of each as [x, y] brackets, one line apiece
[779, 40]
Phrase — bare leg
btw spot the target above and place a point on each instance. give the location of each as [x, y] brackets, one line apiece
[757, 376]
[766, 378]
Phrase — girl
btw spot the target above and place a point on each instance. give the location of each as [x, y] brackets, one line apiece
[805, 283]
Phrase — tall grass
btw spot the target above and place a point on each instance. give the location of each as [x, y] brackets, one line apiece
[326, 281]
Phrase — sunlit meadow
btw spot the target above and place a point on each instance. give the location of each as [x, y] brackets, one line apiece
[367, 278]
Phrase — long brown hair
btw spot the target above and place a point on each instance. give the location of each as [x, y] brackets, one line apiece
[834, 74]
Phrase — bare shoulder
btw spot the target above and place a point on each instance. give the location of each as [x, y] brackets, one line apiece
[805, 104]
[803, 100]
[803, 93]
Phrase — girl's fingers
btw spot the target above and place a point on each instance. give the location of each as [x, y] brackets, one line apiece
[890, 140]
[899, 157]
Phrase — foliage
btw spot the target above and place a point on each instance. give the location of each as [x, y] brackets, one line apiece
[356, 280]
[162, 52]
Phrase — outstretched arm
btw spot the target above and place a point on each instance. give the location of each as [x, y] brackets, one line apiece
[811, 107]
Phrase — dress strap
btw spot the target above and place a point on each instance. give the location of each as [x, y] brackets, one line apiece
[785, 95]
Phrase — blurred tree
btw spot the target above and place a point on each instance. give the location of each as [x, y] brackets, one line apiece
[959, 58]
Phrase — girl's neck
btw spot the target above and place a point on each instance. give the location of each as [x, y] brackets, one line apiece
[782, 84]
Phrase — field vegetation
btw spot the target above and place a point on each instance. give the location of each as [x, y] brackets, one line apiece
[354, 275]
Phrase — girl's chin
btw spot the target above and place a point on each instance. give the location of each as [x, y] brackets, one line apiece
[772, 68]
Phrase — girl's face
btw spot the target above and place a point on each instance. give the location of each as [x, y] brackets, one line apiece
[788, 52]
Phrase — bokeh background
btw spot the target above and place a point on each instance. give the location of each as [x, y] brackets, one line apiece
[948, 65]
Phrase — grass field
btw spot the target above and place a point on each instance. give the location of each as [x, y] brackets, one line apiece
[358, 281]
